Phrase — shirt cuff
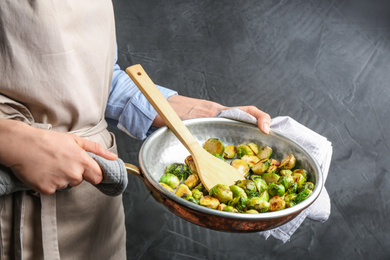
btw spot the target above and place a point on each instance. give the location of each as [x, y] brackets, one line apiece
[138, 115]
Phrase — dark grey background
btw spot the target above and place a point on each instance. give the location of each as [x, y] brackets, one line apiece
[323, 63]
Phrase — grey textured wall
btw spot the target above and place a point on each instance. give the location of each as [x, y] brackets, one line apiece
[323, 63]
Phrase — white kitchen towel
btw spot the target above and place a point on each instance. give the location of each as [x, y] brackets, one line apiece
[318, 146]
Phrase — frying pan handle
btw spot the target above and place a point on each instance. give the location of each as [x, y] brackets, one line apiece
[134, 170]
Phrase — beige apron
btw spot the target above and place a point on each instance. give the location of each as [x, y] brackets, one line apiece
[56, 62]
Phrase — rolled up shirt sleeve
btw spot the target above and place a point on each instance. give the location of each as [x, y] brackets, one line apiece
[128, 109]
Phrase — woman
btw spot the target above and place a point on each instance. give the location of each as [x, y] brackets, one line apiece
[56, 60]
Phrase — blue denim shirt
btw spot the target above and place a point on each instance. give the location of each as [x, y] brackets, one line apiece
[128, 109]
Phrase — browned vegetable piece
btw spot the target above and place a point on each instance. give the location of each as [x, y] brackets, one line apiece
[261, 166]
[276, 203]
[189, 161]
[254, 148]
[265, 153]
[250, 159]
[214, 146]
[241, 166]
[192, 181]
[221, 206]
[183, 191]
[288, 163]
[166, 186]
[243, 149]
[209, 202]
[229, 152]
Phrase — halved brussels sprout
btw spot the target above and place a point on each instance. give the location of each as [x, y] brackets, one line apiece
[276, 189]
[209, 202]
[261, 167]
[307, 185]
[258, 204]
[264, 195]
[229, 152]
[248, 185]
[265, 153]
[192, 199]
[221, 206]
[250, 159]
[276, 203]
[230, 209]
[270, 177]
[261, 184]
[183, 191]
[254, 147]
[241, 166]
[214, 146]
[192, 181]
[239, 203]
[285, 173]
[238, 191]
[301, 171]
[243, 149]
[181, 170]
[289, 204]
[290, 197]
[166, 186]
[288, 162]
[170, 179]
[293, 188]
[252, 211]
[221, 192]
[189, 161]
[299, 179]
[197, 194]
[286, 181]
[303, 195]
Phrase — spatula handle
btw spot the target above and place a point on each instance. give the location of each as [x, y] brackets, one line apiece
[162, 106]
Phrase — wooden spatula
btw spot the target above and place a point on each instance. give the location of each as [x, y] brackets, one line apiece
[211, 170]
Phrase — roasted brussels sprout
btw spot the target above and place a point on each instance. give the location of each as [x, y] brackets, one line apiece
[170, 179]
[221, 206]
[264, 195]
[299, 179]
[221, 192]
[166, 186]
[265, 153]
[290, 197]
[241, 166]
[189, 161]
[288, 163]
[238, 203]
[261, 166]
[285, 173]
[301, 171]
[238, 191]
[191, 199]
[248, 185]
[209, 202]
[181, 170]
[197, 194]
[250, 159]
[302, 195]
[183, 191]
[253, 147]
[229, 152]
[261, 184]
[276, 203]
[276, 189]
[270, 177]
[286, 181]
[214, 146]
[192, 180]
[243, 149]
[230, 209]
[307, 185]
[258, 204]
[252, 211]
[293, 188]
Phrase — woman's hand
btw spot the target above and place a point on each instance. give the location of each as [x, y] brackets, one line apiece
[47, 160]
[187, 108]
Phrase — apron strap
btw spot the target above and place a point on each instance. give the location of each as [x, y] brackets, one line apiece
[49, 227]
